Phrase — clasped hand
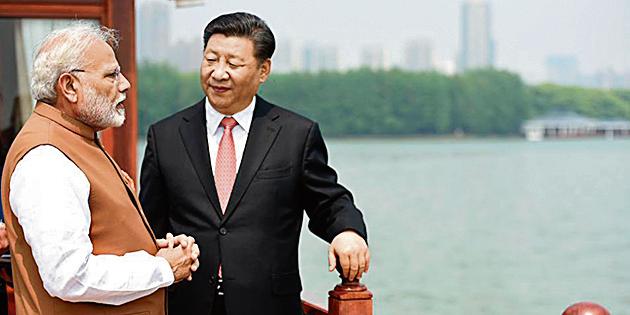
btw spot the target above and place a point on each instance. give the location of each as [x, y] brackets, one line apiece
[182, 254]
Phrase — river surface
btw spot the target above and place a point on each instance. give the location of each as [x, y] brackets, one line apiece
[492, 226]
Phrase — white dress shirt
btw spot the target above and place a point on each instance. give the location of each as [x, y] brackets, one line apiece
[239, 133]
[49, 196]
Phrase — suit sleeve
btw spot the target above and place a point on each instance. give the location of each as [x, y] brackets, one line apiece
[328, 204]
[153, 193]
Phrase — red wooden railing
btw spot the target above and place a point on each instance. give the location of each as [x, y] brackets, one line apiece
[353, 298]
[312, 309]
[347, 298]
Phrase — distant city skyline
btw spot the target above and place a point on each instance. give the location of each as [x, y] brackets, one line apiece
[153, 21]
[597, 33]
[476, 44]
[418, 55]
[563, 69]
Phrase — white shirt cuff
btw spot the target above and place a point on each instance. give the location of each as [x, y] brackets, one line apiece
[165, 269]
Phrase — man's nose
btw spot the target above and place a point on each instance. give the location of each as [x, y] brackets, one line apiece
[220, 72]
[123, 84]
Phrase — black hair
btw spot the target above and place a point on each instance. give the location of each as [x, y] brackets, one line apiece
[241, 24]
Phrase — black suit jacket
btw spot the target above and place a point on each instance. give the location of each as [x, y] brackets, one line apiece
[283, 172]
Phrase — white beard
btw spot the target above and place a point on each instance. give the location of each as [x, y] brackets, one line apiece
[99, 113]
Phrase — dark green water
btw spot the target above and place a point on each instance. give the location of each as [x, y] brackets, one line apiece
[486, 226]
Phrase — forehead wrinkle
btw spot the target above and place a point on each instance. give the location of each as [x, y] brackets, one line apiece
[103, 53]
[217, 52]
[229, 45]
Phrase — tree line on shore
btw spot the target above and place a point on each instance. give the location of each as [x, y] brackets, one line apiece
[394, 102]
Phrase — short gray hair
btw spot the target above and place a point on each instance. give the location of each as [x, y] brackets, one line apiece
[63, 51]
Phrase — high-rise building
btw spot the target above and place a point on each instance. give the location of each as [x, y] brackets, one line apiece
[154, 34]
[607, 79]
[563, 69]
[310, 58]
[186, 55]
[418, 55]
[476, 44]
[316, 57]
[328, 58]
[283, 59]
[373, 57]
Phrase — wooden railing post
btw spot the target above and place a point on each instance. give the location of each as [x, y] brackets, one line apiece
[586, 308]
[350, 298]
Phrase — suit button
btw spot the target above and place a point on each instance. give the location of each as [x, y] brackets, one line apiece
[223, 231]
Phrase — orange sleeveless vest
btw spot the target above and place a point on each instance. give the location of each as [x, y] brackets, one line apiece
[118, 224]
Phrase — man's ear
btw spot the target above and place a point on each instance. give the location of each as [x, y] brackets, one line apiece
[67, 87]
[265, 70]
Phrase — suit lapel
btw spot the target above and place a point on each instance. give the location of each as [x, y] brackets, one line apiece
[262, 134]
[195, 138]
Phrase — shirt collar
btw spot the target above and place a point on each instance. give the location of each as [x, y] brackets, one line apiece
[243, 118]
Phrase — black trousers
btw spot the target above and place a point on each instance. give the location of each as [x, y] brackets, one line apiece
[218, 308]
[4, 304]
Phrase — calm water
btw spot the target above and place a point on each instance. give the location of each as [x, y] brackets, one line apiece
[486, 226]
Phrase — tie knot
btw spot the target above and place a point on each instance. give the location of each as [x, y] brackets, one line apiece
[228, 123]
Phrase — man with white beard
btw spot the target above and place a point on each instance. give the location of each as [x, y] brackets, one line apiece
[79, 240]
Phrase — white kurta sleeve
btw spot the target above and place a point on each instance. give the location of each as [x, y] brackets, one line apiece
[49, 196]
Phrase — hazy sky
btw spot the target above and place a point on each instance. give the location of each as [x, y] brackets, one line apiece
[525, 32]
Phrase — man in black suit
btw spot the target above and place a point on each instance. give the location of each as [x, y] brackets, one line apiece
[237, 173]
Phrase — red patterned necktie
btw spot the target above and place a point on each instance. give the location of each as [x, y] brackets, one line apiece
[225, 171]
